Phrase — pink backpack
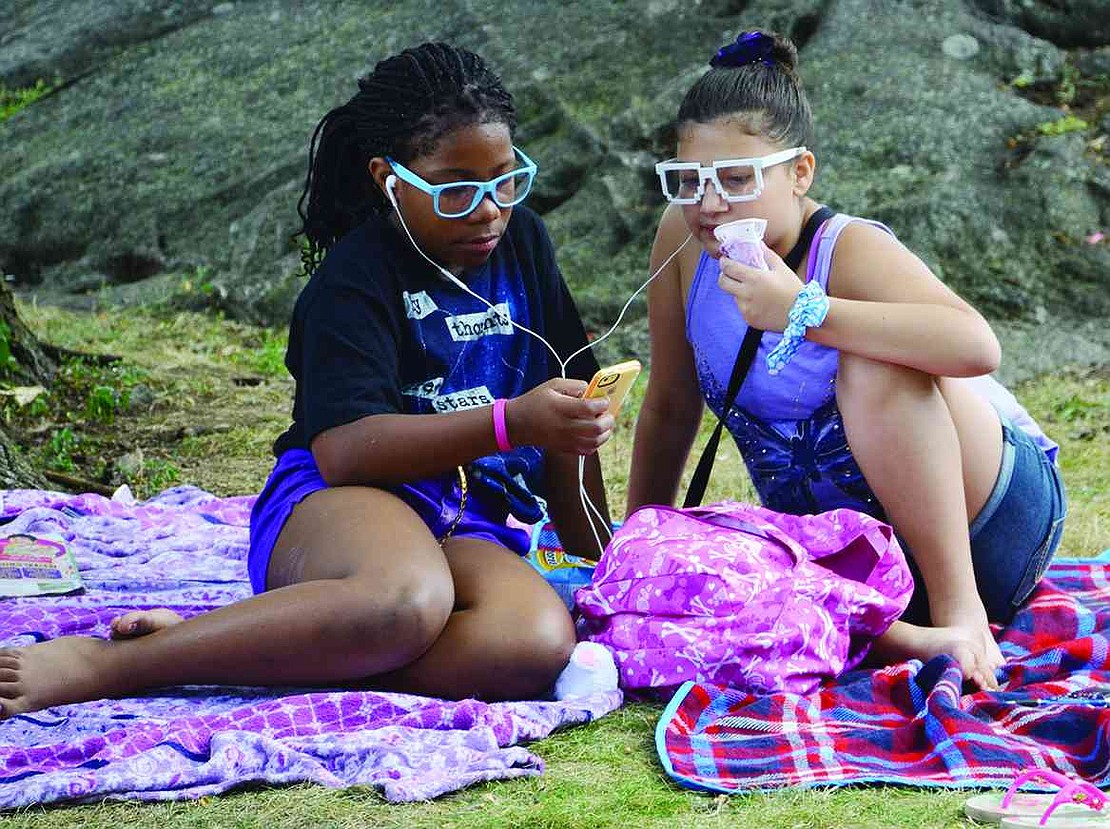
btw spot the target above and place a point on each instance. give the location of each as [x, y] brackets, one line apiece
[740, 595]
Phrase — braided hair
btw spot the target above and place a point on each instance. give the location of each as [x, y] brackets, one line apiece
[401, 110]
[756, 82]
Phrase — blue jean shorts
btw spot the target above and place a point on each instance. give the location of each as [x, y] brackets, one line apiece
[436, 500]
[1015, 533]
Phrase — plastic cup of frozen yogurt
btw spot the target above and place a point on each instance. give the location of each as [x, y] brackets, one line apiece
[742, 241]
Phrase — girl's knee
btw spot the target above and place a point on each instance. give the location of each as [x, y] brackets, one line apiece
[409, 616]
[542, 651]
[553, 636]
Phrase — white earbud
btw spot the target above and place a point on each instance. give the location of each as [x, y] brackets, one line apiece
[390, 185]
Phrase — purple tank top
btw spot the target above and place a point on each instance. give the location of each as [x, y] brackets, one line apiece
[715, 327]
[788, 427]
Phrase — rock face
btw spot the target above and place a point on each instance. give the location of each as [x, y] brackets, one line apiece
[167, 163]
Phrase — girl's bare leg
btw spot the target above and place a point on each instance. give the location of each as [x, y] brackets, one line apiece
[483, 651]
[372, 591]
[931, 464]
[509, 637]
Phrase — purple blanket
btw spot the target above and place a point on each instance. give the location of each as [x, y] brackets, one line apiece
[185, 549]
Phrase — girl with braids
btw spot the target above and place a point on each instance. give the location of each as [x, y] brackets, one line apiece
[422, 418]
[870, 386]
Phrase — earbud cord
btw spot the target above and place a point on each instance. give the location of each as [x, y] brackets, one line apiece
[584, 498]
[587, 504]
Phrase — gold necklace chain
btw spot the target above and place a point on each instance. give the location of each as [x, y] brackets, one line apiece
[462, 507]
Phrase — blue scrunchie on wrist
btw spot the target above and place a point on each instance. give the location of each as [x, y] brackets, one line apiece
[809, 310]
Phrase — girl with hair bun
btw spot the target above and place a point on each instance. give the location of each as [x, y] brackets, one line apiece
[870, 388]
[428, 407]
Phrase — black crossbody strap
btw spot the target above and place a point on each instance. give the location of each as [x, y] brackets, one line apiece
[744, 359]
[812, 225]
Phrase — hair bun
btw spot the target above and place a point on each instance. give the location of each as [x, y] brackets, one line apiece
[767, 48]
[785, 53]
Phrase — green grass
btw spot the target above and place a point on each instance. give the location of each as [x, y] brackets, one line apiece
[1073, 407]
[218, 397]
[14, 100]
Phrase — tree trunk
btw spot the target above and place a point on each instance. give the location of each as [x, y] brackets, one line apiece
[34, 361]
[26, 361]
[15, 472]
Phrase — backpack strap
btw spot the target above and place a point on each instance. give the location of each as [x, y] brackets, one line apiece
[744, 359]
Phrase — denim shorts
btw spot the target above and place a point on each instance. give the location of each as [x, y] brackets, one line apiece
[1015, 533]
[436, 500]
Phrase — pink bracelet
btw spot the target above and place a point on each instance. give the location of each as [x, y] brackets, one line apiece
[500, 428]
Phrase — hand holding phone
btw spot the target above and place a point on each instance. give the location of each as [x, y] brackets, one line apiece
[614, 382]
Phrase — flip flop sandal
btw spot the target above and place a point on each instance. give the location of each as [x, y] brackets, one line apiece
[1058, 821]
[1077, 804]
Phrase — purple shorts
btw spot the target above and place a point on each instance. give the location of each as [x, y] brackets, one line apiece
[435, 500]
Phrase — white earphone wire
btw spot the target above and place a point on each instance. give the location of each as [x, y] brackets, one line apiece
[587, 505]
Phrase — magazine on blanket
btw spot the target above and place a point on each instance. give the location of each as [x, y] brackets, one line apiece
[37, 566]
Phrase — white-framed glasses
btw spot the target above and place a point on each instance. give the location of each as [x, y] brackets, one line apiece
[459, 198]
[736, 179]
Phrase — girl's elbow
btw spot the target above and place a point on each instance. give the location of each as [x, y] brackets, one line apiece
[331, 460]
[985, 358]
[981, 353]
[990, 354]
[993, 359]
[332, 470]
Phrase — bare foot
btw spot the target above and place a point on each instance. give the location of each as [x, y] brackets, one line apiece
[968, 614]
[992, 654]
[142, 622]
[905, 641]
[70, 669]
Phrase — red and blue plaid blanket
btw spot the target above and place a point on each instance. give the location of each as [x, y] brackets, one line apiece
[912, 723]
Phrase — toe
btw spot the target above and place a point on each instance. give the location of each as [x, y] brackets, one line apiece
[11, 690]
[984, 673]
[143, 622]
[8, 706]
[135, 623]
[125, 625]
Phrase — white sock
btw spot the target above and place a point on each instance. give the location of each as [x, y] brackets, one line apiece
[591, 669]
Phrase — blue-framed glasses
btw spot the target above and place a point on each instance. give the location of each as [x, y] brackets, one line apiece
[458, 198]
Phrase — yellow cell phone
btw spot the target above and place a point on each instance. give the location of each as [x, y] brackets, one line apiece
[614, 382]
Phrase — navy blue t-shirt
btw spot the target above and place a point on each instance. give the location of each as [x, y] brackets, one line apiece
[377, 329]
